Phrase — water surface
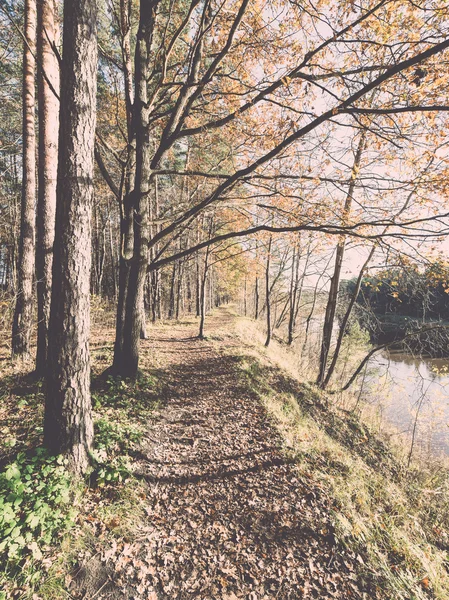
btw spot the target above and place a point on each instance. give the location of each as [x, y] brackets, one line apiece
[414, 394]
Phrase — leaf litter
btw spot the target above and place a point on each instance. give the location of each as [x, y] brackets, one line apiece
[226, 514]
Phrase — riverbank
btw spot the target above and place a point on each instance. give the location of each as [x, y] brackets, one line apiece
[402, 332]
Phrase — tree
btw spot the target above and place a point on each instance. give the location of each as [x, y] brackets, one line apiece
[268, 290]
[23, 313]
[48, 90]
[68, 425]
[206, 267]
[332, 300]
[276, 118]
[132, 326]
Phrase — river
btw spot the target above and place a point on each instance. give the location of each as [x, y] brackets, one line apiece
[413, 394]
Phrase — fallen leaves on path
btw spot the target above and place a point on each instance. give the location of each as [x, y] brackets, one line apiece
[227, 515]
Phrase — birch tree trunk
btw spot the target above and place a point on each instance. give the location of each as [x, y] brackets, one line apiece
[68, 427]
[23, 313]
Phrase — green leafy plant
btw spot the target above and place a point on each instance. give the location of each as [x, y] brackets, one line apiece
[132, 396]
[114, 443]
[34, 493]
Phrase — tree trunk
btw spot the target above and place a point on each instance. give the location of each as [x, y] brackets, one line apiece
[171, 301]
[112, 257]
[329, 316]
[245, 308]
[23, 313]
[267, 293]
[203, 297]
[179, 289]
[139, 263]
[345, 319]
[126, 254]
[197, 279]
[68, 427]
[143, 323]
[154, 295]
[294, 283]
[189, 292]
[47, 34]
[256, 299]
[127, 197]
[332, 301]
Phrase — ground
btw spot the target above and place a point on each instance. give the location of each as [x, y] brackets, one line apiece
[228, 515]
[220, 476]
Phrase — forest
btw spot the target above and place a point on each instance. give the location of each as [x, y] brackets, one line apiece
[223, 245]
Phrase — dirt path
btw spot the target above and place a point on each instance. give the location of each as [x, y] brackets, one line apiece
[228, 516]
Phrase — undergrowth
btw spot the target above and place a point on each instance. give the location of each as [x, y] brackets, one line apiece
[121, 409]
[35, 511]
[48, 519]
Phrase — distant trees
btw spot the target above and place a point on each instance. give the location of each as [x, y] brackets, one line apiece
[411, 291]
[400, 303]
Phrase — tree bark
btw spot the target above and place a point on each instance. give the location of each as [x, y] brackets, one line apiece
[179, 289]
[139, 263]
[267, 293]
[47, 34]
[68, 427]
[112, 255]
[23, 313]
[294, 283]
[245, 308]
[127, 195]
[171, 301]
[197, 277]
[126, 254]
[203, 284]
[345, 319]
[203, 296]
[256, 299]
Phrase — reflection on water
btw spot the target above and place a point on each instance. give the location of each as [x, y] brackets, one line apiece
[414, 392]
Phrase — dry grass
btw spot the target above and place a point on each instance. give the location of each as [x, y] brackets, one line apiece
[395, 520]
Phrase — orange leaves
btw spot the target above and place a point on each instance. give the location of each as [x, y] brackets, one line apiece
[425, 583]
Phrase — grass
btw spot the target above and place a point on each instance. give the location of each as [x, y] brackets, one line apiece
[395, 520]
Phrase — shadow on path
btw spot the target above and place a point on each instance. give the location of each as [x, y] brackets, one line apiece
[228, 514]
